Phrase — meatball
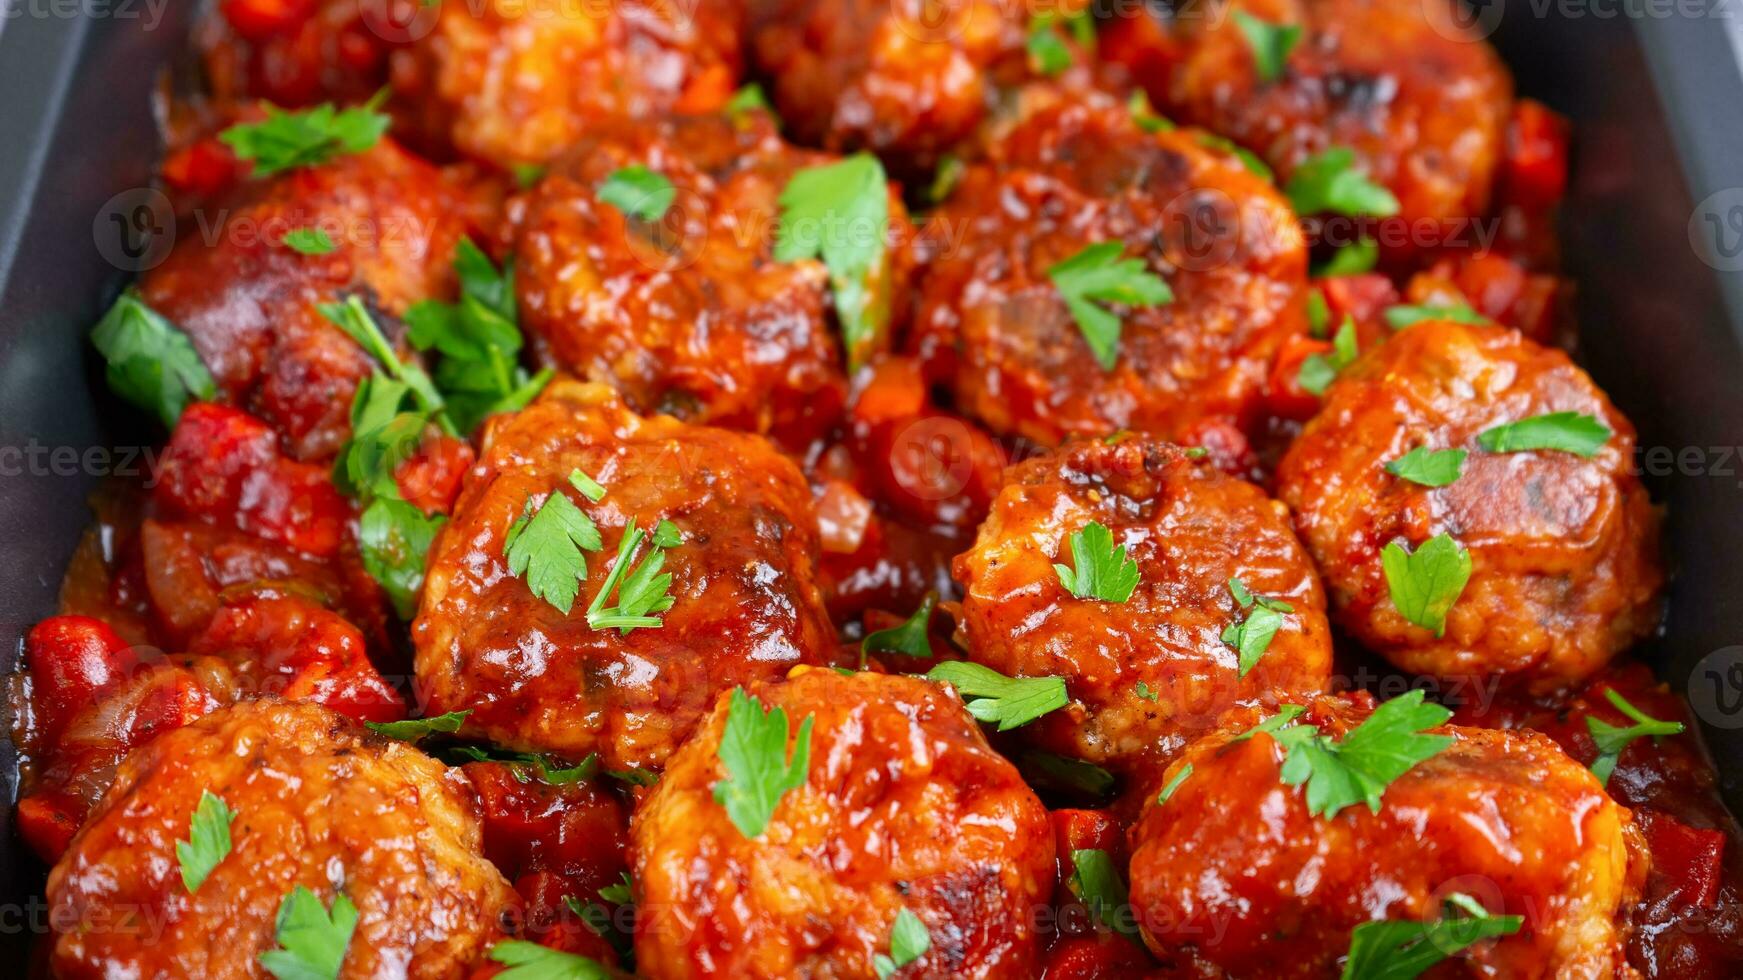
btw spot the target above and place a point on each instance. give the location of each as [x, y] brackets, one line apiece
[518, 83]
[1232, 875]
[908, 80]
[1421, 100]
[904, 806]
[299, 52]
[1076, 173]
[1149, 672]
[249, 302]
[745, 603]
[1563, 549]
[318, 804]
[688, 314]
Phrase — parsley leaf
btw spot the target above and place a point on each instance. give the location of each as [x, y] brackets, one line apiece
[1329, 182]
[750, 97]
[1097, 883]
[1147, 692]
[1102, 571]
[945, 178]
[1568, 432]
[638, 192]
[1425, 583]
[526, 174]
[1144, 114]
[1429, 467]
[909, 941]
[1248, 159]
[543, 767]
[544, 548]
[394, 540]
[1049, 55]
[993, 697]
[1098, 274]
[1353, 259]
[1318, 371]
[1359, 767]
[909, 638]
[309, 241]
[1252, 636]
[1401, 317]
[530, 961]
[1318, 314]
[151, 363]
[1062, 774]
[312, 942]
[1398, 949]
[1174, 783]
[586, 485]
[413, 729]
[753, 748]
[287, 140]
[208, 840]
[1271, 43]
[1612, 739]
[634, 777]
[1270, 726]
[643, 592]
[354, 318]
[620, 893]
[840, 213]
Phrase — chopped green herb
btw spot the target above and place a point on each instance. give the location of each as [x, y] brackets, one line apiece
[639, 192]
[151, 363]
[1429, 467]
[286, 140]
[749, 98]
[908, 638]
[1097, 275]
[1147, 692]
[753, 749]
[393, 539]
[1049, 54]
[311, 941]
[667, 535]
[586, 485]
[530, 961]
[1062, 774]
[527, 174]
[618, 894]
[1318, 371]
[909, 941]
[1144, 114]
[1351, 260]
[634, 777]
[1611, 739]
[309, 241]
[1398, 949]
[1248, 158]
[1425, 583]
[544, 547]
[1174, 783]
[1271, 43]
[354, 318]
[1318, 314]
[1568, 432]
[1097, 883]
[1401, 317]
[641, 594]
[992, 697]
[1359, 767]
[208, 840]
[840, 213]
[1285, 714]
[413, 729]
[1251, 636]
[949, 174]
[1330, 183]
[1102, 570]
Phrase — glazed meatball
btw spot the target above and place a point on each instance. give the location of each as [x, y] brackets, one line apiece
[904, 806]
[1149, 672]
[906, 79]
[319, 804]
[1563, 549]
[745, 601]
[1420, 99]
[299, 52]
[249, 302]
[688, 314]
[518, 83]
[1232, 875]
[1079, 172]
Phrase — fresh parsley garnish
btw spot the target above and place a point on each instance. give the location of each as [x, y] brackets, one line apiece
[208, 840]
[908, 638]
[479, 338]
[1426, 582]
[1359, 767]
[1329, 182]
[1429, 467]
[151, 363]
[1251, 636]
[1097, 883]
[638, 192]
[993, 697]
[546, 769]
[749, 98]
[1319, 314]
[286, 140]
[1399, 949]
[311, 941]
[1271, 43]
[394, 540]
[909, 940]
[1352, 260]
[840, 213]
[309, 241]
[1097, 275]
[1173, 784]
[1144, 114]
[1612, 739]
[1102, 570]
[1568, 432]
[413, 729]
[753, 748]
[544, 547]
[1402, 317]
[1147, 692]
[1049, 55]
[643, 591]
[530, 961]
[1062, 774]
[1285, 714]
[634, 777]
[945, 178]
[1318, 371]
[587, 486]
[351, 316]
[1247, 158]
[620, 893]
[526, 174]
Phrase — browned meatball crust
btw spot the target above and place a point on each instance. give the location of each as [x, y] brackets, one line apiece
[1190, 529]
[745, 600]
[1563, 549]
[904, 807]
[319, 803]
[1233, 876]
[1079, 171]
[687, 314]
